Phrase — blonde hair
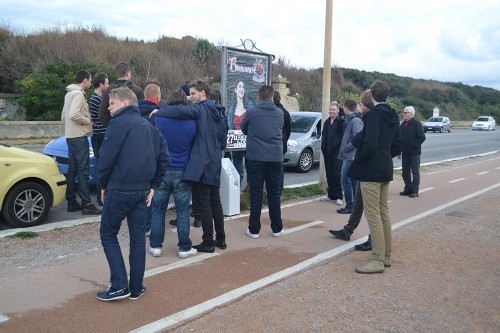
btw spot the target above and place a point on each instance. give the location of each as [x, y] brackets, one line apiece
[152, 91]
[366, 98]
[123, 94]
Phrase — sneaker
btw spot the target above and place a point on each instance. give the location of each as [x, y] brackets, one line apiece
[339, 202]
[249, 234]
[148, 233]
[341, 234]
[220, 243]
[372, 267]
[185, 254]
[134, 296]
[74, 207]
[155, 251]
[113, 294]
[277, 234]
[90, 209]
[325, 198]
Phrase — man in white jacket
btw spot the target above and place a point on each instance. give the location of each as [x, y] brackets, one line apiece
[77, 129]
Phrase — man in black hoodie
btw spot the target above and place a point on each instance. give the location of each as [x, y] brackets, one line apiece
[124, 73]
[377, 144]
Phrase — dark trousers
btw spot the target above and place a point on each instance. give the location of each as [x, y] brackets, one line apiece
[333, 169]
[208, 205]
[97, 140]
[411, 172]
[78, 166]
[257, 173]
[357, 211]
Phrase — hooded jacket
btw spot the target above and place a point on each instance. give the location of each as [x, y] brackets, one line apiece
[104, 115]
[377, 144]
[204, 165]
[75, 113]
[134, 155]
[354, 125]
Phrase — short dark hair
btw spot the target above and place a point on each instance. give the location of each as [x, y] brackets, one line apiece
[98, 79]
[350, 105]
[200, 85]
[215, 95]
[121, 69]
[277, 97]
[380, 91]
[266, 93]
[177, 97]
[82, 75]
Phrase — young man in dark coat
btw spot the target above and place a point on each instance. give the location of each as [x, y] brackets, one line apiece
[287, 127]
[413, 136]
[134, 158]
[377, 144]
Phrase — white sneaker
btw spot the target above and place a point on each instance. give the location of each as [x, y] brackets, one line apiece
[185, 254]
[249, 234]
[155, 251]
[277, 234]
[339, 202]
[325, 198]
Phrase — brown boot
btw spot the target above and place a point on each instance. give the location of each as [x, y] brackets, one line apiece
[74, 206]
[90, 209]
[373, 266]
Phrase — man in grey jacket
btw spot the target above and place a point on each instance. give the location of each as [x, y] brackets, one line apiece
[263, 126]
[354, 125]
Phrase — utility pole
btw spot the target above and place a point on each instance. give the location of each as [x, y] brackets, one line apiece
[327, 78]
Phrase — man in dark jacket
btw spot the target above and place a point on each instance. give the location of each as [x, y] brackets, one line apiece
[263, 126]
[124, 73]
[204, 165]
[378, 143]
[134, 157]
[287, 128]
[413, 136]
[331, 137]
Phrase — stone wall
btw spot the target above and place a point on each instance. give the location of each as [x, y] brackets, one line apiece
[31, 129]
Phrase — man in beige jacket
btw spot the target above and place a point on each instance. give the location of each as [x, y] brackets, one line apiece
[77, 129]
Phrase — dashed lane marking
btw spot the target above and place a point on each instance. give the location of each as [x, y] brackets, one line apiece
[426, 189]
[456, 180]
[482, 173]
[179, 264]
[209, 305]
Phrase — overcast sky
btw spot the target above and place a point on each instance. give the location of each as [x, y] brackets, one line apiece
[445, 40]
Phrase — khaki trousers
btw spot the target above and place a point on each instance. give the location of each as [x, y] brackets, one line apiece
[375, 197]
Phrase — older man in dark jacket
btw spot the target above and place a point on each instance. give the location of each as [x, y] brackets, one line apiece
[134, 158]
[204, 165]
[413, 136]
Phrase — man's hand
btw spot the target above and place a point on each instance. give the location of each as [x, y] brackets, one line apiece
[103, 195]
[150, 197]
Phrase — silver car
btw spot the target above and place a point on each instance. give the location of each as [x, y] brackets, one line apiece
[437, 124]
[304, 144]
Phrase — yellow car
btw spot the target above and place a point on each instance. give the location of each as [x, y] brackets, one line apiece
[30, 183]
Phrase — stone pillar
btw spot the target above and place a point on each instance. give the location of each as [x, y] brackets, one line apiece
[289, 102]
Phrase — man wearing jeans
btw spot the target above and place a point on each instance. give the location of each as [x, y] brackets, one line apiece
[263, 126]
[133, 161]
[179, 135]
[77, 129]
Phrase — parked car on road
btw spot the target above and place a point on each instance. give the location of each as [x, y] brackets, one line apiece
[58, 149]
[30, 183]
[304, 144]
[484, 123]
[437, 124]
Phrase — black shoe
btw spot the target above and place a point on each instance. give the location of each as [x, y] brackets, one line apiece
[221, 244]
[343, 211]
[112, 294]
[366, 246]
[202, 247]
[413, 195]
[74, 207]
[134, 296]
[405, 193]
[90, 209]
[99, 203]
[197, 221]
[173, 222]
[341, 234]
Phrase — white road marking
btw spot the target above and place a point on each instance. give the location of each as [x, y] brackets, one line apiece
[209, 305]
[180, 263]
[482, 173]
[301, 227]
[456, 180]
[426, 189]
[3, 318]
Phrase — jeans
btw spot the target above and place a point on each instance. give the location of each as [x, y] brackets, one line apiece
[411, 165]
[348, 184]
[181, 190]
[375, 201]
[333, 169]
[119, 205]
[357, 211]
[97, 140]
[257, 173]
[237, 158]
[207, 198]
[78, 166]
